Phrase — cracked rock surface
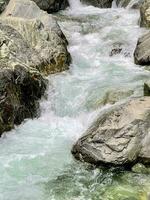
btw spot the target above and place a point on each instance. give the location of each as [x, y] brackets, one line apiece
[120, 136]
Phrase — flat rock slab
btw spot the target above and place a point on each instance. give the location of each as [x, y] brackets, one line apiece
[120, 136]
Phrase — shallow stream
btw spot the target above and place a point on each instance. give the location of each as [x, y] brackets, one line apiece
[35, 158]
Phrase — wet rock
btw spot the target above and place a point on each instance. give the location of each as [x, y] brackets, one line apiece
[21, 84]
[119, 136]
[3, 4]
[32, 45]
[129, 3]
[110, 97]
[116, 49]
[52, 5]
[140, 168]
[99, 3]
[147, 88]
[142, 51]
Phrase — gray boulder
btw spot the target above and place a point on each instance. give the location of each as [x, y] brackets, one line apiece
[32, 45]
[142, 51]
[119, 136]
[41, 32]
[99, 3]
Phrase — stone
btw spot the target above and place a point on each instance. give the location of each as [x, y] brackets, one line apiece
[130, 3]
[145, 14]
[32, 46]
[119, 136]
[21, 84]
[42, 34]
[3, 4]
[140, 168]
[52, 5]
[142, 51]
[99, 3]
[110, 97]
[147, 88]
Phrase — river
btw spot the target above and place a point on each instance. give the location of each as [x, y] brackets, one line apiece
[35, 158]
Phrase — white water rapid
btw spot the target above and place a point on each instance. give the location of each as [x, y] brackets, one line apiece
[35, 158]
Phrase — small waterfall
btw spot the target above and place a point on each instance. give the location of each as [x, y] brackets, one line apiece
[75, 4]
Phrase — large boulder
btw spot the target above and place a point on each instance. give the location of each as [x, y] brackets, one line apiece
[119, 136]
[142, 51]
[99, 3]
[21, 86]
[32, 45]
[42, 34]
[52, 5]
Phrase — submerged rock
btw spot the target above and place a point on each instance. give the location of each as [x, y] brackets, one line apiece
[142, 51]
[140, 168]
[110, 97]
[52, 5]
[120, 136]
[99, 3]
[21, 84]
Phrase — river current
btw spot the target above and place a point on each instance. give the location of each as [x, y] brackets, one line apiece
[35, 158]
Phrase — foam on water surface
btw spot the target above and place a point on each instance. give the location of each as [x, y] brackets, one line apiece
[35, 157]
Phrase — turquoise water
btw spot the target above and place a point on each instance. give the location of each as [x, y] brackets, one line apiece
[35, 157]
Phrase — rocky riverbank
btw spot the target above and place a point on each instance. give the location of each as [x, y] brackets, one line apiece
[32, 46]
[121, 135]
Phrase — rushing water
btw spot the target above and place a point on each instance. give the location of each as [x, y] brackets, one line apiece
[35, 158]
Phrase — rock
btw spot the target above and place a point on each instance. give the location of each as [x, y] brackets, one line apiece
[116, 49]
[3, 4]
[119, 136]
[52, 5]
[113, 96]
[99, 3]
[119, 48]
[145, 13]
[142, 51]
[110, 97]
[140, 168]
[31, 45]
[21, 85]
[42, 34]
[130, 3]
[147, 88]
